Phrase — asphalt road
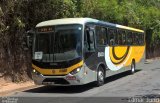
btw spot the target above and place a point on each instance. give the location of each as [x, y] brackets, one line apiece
[121, 88]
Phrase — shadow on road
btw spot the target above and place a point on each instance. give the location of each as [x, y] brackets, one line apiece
[75, 89]
[118, 76]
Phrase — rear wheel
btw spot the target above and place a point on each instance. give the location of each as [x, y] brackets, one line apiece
[133, 67]
[100, 76]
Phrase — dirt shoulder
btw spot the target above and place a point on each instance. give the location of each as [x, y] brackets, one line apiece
[7, 87]
[152, 59]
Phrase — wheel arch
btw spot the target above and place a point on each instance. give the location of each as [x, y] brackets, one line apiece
[133, 60]
[103, 66]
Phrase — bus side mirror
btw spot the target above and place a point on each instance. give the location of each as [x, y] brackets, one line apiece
[28, 41]
[91, 37]
[29, 38]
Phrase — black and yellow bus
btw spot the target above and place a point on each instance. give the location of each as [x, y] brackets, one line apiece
[77, 51]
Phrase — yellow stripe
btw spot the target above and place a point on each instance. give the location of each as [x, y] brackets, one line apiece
[57, 71]
[129, 28]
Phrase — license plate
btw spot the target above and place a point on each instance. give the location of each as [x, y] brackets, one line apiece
[47, 83]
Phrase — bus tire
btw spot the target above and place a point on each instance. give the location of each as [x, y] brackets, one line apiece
[133, 67]
[100, 76]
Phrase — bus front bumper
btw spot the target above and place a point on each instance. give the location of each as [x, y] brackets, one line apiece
[66, 80]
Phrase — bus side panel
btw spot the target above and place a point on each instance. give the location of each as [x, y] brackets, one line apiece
[137, 54]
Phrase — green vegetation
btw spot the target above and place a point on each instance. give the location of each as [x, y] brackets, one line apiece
[18, 16]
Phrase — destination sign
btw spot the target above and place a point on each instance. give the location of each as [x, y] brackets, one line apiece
[45, 29]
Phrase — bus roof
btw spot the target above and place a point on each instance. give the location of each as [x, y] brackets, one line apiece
[83, 21]
[66, 21]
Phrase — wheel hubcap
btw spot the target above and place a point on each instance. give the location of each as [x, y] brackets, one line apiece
[133, 68]
[101, 76]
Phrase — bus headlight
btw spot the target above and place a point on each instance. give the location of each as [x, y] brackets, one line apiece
[36, 72]
[75, 71]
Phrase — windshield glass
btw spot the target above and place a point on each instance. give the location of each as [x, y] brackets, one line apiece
[63, 43]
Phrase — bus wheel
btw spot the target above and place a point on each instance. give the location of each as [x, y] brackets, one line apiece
[133, 67]
[100, 76]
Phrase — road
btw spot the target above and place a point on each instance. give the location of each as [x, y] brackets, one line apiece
[144, 83]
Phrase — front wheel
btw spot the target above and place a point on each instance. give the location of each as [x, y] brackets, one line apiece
[133, 67]
[100, 76]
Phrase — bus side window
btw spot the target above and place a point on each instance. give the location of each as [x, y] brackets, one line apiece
[107, 37]
[116, 41]
[124, 38]
[120, 38]
[129, 38]
[136, 39]
[101, 34]
[141, 38]
[111, 33]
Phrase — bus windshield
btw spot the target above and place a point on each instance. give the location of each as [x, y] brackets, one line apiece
[62, 44]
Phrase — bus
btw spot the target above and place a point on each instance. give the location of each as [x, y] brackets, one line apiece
[77, 51]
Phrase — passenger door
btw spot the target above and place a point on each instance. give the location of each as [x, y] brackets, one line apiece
[89, 42]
